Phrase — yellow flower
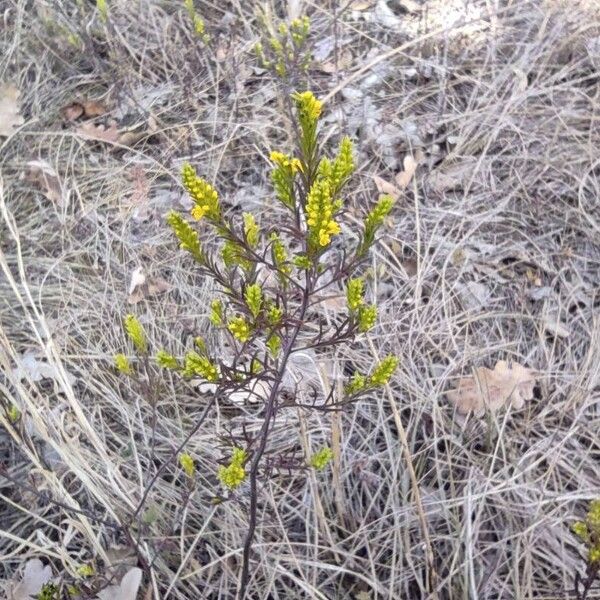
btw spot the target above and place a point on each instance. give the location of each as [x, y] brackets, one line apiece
[200, 365]
[285, 161]
[239, 328]
[122, 364]
[186, 234]
[384, 371]
[187, 464]
[319, 214]
[202, 193]
[354, 293]
[321, 459]
[233, 475]
[308, 106]
[136, 334]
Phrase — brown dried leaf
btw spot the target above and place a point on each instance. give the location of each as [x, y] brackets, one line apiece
[94, 108]
[84, 108]
[385, 187]
[10, 117]
[344, 61]
[404, 177]
[72, 111]
[142, 287]
[130, 137]
[493, 389]
[101, 133]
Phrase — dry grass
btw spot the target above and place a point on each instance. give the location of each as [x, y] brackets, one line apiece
[505, 204]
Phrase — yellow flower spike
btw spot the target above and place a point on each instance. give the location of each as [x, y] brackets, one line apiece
[187, 464]
[186, 234]
[136, 333]
[367, 317]
[201, 366]
[357, 384]
[343, 165]
[216, 312]
[319, 212]
[384, 371]
[251, 230]
[166, 360]
[283, 175]
[355, 291]
[279, 253]
[308, 106]
[254, 298]
[122, 364]
[202, 193]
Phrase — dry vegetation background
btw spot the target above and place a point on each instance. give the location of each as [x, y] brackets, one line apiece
[492, 253]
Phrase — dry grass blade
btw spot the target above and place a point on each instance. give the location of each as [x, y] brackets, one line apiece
[498, 106]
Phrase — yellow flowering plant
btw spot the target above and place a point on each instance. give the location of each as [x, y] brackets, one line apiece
[588, 532]
[268, 271]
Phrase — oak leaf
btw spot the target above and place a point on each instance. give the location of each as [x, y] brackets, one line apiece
[84, 108]
[493, 389]
[108, 134]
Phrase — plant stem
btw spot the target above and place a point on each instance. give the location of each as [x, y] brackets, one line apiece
[264, 436]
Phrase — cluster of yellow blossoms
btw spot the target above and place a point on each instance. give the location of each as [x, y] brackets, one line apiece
[203, 194]
[319, 213]
[234, 473]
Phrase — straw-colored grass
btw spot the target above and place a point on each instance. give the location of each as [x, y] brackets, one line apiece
[493, 252]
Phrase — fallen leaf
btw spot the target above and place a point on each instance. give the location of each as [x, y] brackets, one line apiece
[130, 137]
[101, 133]
[84, 108]
[10, 117]
[41, 173]
[257, 392]
[94, 108]
[344, 60]
[385, 187]
[141, 287]
[35, 576]
[453, 176]
[403, 178]
[493, 389]
[72, 111]
[30, 367]
[127, 590]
